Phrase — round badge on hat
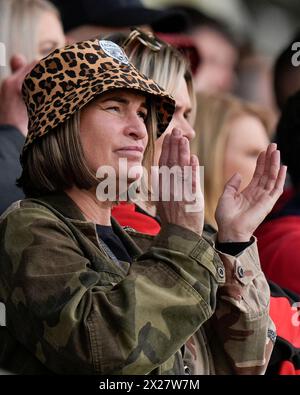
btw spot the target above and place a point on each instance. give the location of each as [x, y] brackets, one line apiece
[114, 51]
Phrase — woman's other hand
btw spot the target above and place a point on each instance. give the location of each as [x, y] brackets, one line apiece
[185, 209]
[238, 214]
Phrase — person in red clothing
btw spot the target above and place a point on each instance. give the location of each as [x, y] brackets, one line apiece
[279, 235]
[285, 312]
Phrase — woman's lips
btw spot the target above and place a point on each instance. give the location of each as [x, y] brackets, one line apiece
[131, 151]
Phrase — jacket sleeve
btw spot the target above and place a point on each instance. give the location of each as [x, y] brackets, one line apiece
[76, 315]
[245, 334]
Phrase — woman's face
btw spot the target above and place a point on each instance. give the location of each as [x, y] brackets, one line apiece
[50, 34]
[113, 127]
[180, 119]
[247, 138]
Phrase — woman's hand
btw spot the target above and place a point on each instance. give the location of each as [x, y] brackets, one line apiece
[238, 214]
[185, 209]
[13, 110]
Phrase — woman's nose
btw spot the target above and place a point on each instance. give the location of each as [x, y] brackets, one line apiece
[136, 127]
[189, 132]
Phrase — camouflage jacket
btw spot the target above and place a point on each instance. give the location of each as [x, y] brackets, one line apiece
[72, 308]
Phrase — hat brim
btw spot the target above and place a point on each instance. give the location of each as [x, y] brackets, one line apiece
[69, 78]
[165, 105]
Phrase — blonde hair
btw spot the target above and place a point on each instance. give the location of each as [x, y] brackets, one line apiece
[212, 126]
[18, 28]
[166, 67]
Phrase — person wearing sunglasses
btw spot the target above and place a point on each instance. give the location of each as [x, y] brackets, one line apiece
[169, 69]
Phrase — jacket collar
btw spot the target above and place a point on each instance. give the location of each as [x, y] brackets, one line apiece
[62, 203]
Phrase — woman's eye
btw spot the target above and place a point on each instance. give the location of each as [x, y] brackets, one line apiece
[143, 115]
[253, 154]
[45, 51]
[187, 115]
[113, 109]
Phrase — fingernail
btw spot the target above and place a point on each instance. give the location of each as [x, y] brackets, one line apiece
[193, 159]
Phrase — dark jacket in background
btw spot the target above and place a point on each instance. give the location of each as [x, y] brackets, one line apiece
[11, 143]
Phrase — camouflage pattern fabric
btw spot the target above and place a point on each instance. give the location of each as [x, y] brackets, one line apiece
[239, 337]
[71, 309]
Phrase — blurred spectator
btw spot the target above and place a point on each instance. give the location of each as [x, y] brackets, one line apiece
[218, 52]
[230, 134]
[264, 83]
[30, 29]
[255, 79]
[84, 19]
[286, 74]
[279, 235]
[13, 129]
[186, 45]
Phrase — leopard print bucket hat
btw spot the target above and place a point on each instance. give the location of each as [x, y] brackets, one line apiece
[67, 79]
